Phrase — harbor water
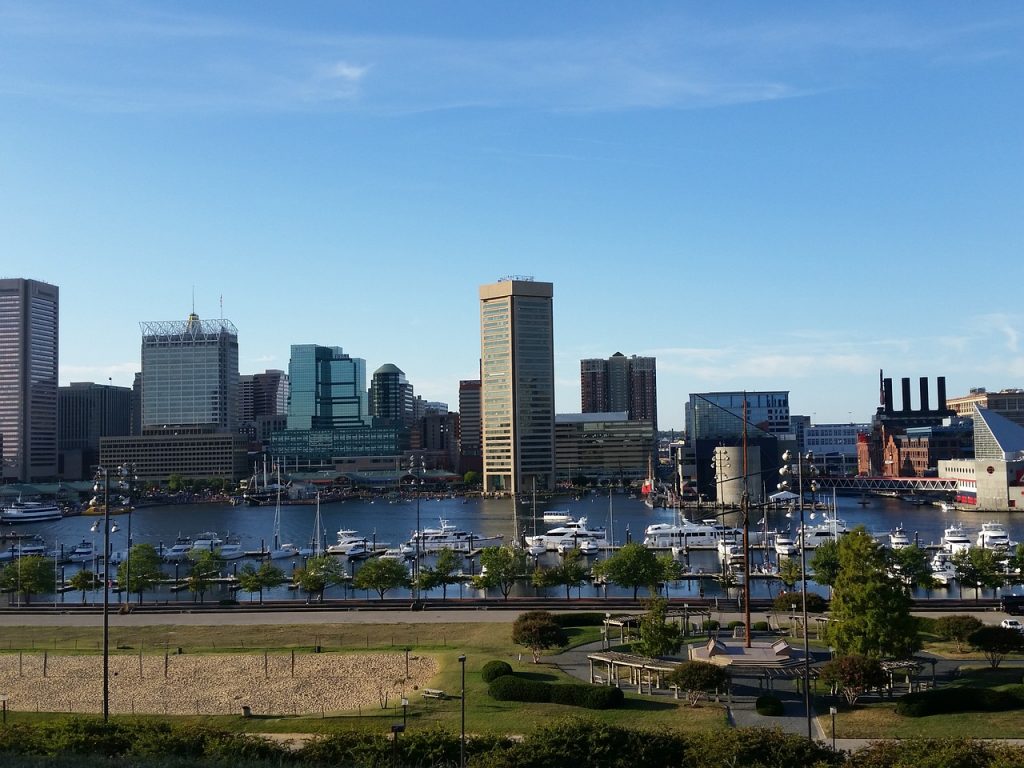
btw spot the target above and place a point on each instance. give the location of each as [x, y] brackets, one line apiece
[387, 523]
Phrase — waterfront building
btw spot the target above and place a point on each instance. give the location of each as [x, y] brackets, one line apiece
[834, 445]
[993, 481]
[720, 415]
[189, 376]
[621, 383]
[262, 404]
[518, 385]
[874, 449]
[206, 456]
[918, 451]
[89, 412]
[29, 335]
[1005, 402]
[470, 448]
[327, 389]
[602, 447]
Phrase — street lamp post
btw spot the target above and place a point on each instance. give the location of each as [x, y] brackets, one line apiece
[126, 483]
[416, 469]
[784, 485]
[462, 738]
[101, 473]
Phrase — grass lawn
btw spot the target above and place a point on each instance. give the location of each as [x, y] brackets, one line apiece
[480, 642]
[881, 721]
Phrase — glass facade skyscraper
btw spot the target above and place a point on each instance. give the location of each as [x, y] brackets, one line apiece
[517, 399]
[29, 322]
[189, 376]
[327, 389]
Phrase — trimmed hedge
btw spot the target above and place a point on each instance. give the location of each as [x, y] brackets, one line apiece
[944, 701]
[492, 670]
[760, 626]
[582, 619]
[710, 625]
[512, 688]
[769, 706]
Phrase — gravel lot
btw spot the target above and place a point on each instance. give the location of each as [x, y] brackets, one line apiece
[212, 683]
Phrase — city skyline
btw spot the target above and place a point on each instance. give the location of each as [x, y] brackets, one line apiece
[760, 198]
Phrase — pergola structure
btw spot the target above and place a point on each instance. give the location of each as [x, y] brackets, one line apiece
[643, 670]
[683, 616]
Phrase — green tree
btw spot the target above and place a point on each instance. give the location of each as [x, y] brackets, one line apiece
[254, 579]
[978, 568]
[695, 678]
[84, 581]
[633, 566]
[912, 567]
[471, 478]
[657, 636]
[318, 574]
[141, 572]
[29, 575]
[870, 610]
[538, 631]
[500, 568]
[382, 574]
[175, 483]
[206, 567]
[445, 571]
[996, 642]
[789, 572]
[824, 563]
[853, 676]
[957, 627]
[570, 572]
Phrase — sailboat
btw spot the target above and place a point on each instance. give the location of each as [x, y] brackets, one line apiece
[316, 542]
[279, 551]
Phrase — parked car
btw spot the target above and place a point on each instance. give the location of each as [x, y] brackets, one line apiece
[1012, 624]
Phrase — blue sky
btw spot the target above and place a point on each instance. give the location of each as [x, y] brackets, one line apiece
[763, 196]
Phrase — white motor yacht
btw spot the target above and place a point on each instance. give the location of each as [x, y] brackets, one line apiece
[585, 546]
[954, 539]
[227, 548]
[943, 570]
[82, 552]
[830, 529]
[574, 531]
[993, 535]
[785, 546]
[179, 550]
[687, 534]
[350, 544]
[898, 539]
[449, 536]
[557, 516]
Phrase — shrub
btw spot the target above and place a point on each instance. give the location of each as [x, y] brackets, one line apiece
[760, 626]
[768, 705]
[785, 601]
[734, 624]
[512, 688]
[492, 670]
[603, 697]
[710, 625]
[581, 619]
[942, 701]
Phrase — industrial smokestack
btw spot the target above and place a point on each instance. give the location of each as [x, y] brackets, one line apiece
[924, 394]
[887, 386]
[942, 393]
[905, 383]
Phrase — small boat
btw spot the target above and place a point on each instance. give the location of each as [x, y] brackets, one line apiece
[785, 546]
[83, 552]
[574, 531]
[898, 539]
[943, 570]
[955, 540]
[227, 548]
[30, 512]
[585, 546]
[26, 548]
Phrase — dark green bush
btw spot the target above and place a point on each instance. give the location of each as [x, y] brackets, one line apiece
[760, 626]
[940, 701]
[710, 625]
[734, 624]
[769, 706]
[785, 601]
[512, 688]
[492, 670]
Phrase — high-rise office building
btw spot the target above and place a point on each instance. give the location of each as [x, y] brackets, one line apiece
[29, 323]
[621, 383]
[717, 415]
[88, 412]
[469, 426]
[517, 398]
[262, 394]
[189, 376]
[391, 397]
[327, 389]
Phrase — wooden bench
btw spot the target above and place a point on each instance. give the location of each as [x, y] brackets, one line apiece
[434, 693]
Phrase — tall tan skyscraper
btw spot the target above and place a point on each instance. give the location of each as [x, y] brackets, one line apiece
[517, 372]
